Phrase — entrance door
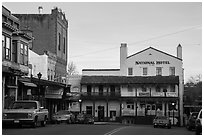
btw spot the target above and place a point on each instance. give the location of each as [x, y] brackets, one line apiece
[100, 113]
[112, 115]
[89, 110]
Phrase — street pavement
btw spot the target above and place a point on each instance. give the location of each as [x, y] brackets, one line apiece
[96, 129]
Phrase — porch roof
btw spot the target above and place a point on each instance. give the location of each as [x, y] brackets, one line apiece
[129, 80]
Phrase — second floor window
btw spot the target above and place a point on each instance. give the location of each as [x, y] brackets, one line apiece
[130, 88]
[24, 54]
[172, 71]
[158, 71]
[6, 47]
[158, 89]
[101, 90]
[130, 105]
[144, 89]
[89, 89]
[172, 88]
[144, 71]
[130, 71]
[59, 39]
[64, 46]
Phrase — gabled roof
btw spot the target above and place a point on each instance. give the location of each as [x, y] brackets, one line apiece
[155, 50]
[129, 80]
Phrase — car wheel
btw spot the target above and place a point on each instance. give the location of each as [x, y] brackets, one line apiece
[34, 125]
[43, 123]
[155, 126]
[68, 121]
[197, 132]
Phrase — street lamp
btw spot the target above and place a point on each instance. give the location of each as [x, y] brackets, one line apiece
[165, 90]
[39, 77]
[80, 105]
[173, 104]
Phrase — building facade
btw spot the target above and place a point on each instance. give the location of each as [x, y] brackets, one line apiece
[15, 45]
[51, 35]
[148, 83]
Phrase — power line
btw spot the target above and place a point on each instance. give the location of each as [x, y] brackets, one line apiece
[142, 41]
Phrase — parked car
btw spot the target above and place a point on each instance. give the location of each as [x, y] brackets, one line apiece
[80, 118]
[27, 112]
[63, 116]
[191, 120]
[198, 123]
[89, 119]
[162, 121]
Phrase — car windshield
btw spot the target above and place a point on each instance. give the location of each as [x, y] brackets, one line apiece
[24, 105]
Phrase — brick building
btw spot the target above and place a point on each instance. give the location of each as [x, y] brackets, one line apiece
[50, 32]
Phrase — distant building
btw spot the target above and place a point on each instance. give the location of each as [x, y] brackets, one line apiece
[51, 36]
[148, 83]
[15, 45]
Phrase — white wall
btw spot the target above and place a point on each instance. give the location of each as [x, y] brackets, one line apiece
[154, 57]
[39, 64]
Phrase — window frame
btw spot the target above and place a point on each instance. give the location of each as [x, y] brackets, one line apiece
[59, 40]
[130, 71]
[7, 48]
[145, 71]
[172, 71]
[158, 71]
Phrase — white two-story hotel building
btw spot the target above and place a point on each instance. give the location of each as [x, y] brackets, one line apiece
[148, 83]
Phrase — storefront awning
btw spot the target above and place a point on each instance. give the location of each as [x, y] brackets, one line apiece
[29, 84]
[54, 92]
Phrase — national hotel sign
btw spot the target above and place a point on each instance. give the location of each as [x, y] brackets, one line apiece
[152, 62]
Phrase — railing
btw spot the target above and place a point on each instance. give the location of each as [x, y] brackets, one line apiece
[101, 94]
[128, 112]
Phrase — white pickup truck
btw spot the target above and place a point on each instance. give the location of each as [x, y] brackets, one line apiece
[25, 112]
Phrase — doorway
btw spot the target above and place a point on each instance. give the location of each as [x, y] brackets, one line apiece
[112, 115]
[100, 113]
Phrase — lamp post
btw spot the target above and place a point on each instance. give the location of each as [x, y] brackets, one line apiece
[80, 105]
[173, 104]
[165, 90]
[39, 77]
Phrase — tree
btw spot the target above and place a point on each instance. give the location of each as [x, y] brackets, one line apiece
[72, 70]
[193, 90]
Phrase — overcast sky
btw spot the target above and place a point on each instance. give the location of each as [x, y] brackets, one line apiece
[96, 30]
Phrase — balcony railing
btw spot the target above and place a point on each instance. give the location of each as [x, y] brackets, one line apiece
[103, 94]
[128, 112]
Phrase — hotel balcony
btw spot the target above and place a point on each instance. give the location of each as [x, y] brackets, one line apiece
[100, 95]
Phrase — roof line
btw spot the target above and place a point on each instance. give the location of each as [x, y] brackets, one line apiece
[100, 69]
[156, 50]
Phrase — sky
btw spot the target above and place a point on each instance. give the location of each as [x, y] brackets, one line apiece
[97, 29]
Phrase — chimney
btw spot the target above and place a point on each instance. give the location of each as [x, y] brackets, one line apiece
[179, 51]
[123, 57]
[40, 9]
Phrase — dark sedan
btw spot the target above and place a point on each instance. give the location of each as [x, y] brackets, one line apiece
[162, 121]
[191, 120]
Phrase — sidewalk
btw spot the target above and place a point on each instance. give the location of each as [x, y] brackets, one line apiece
[107, 123]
